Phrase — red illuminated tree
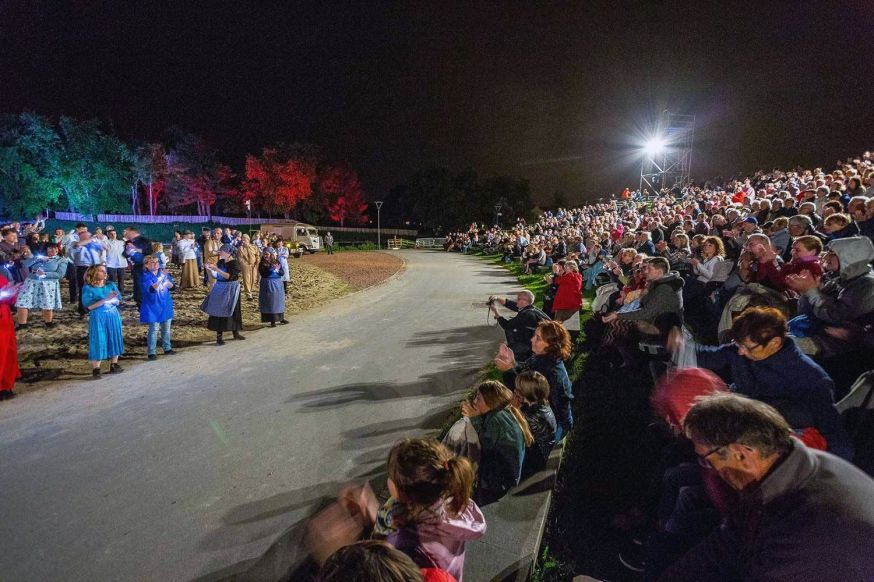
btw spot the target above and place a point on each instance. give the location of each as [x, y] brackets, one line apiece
[278, 181]
[344, 194]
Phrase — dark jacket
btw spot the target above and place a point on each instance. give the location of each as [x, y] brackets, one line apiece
[663, 297]
[503, 450]
[541, 422]
[789, 381]
[560, 389]
[648, 248]
[520, 329]
[810, 518]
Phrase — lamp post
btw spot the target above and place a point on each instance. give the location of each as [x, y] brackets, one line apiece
[498, 215]
[378, 232]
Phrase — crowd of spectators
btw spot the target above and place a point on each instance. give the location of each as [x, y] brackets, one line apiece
[761, 287]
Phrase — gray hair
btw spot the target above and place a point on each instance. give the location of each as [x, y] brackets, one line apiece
[724, 418]
[802, 219]
[528, 294]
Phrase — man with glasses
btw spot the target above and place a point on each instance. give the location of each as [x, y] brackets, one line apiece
[801, 514]
[764, 363]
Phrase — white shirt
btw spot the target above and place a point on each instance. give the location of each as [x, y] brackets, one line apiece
[186, 249]
[115, 258]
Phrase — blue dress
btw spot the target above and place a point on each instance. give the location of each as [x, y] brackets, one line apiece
[271, 294]
[156, 306]
[105, 338]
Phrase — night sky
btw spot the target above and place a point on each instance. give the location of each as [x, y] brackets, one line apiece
[506, 88]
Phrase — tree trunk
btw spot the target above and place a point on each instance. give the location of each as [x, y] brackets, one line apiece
[151, 200]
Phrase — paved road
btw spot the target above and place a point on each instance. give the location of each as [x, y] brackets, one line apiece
[207, 463]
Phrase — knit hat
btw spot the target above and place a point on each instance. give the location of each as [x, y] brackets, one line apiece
[752, 220]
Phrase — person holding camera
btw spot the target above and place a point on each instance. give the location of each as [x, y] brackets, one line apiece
[520, 328]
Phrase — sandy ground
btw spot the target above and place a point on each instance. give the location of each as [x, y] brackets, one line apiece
[47, 356]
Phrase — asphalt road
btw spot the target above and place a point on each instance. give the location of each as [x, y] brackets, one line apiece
[206, 464]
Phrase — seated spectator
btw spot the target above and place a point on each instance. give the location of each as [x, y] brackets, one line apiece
[766, 264]
[764, 363]
[519, 329]
[376, 560]
[779, 235]
[551, 346]
[503, 435]
[532, 397]
[663, 296]
[801, 514]
[430, 514]
[840, 225]
[644, 243]
[569, 296]
[845, 303]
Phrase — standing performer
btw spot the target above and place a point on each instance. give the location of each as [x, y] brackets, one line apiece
[271, 295]
[42, 289]
[105, 338]
[282, 254]
[157, 307]
[248, 256]
[188, 255]
[9, 370]
[223, 302]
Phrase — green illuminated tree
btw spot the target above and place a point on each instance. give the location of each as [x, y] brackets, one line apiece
[29, 149]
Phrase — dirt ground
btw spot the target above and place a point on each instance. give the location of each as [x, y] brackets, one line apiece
[47, 356]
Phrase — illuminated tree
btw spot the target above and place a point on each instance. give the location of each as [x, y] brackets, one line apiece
[278, 181]
[345, 199]
[29, 149]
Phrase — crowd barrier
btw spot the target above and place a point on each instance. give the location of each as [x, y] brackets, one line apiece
[429, 243]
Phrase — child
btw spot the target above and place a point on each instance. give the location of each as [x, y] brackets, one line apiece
[430, 514]
[532, 396]
[158, 252]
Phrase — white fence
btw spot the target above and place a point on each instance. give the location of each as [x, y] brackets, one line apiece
[429, 243]
[228, 220]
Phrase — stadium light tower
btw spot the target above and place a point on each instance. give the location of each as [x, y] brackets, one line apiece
[378, 230]
[667, 154]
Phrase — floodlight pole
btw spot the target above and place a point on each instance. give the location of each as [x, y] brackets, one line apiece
[498, 215]
[378, 232]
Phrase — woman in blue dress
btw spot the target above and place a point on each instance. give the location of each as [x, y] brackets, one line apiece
[105, 339]
[157, 307]
[271, 295]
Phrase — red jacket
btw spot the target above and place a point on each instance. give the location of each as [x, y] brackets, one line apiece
[570, 292]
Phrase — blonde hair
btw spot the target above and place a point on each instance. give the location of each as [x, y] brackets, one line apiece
[90, 277]
[157, 247]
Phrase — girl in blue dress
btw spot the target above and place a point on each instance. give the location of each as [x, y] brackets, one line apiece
[105, 339]
[157, 306]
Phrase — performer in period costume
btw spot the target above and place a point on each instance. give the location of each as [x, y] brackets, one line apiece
[105, 338]
[9, 371]
[248, 255]
[223, 302]
[271, 294]
[157, 307]
[42, 289]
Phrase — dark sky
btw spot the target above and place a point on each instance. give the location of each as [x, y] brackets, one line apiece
[501, 87]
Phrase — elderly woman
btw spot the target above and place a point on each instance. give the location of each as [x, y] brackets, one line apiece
[551, 346]
[271, 295]
[105, 339]
[156, 308]
[223, 302]
[42, 289]
[248, 255]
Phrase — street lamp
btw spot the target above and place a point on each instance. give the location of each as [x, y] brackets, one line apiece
[498, 215]
[378, 233]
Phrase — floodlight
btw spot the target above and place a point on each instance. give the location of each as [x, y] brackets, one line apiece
[654, 146]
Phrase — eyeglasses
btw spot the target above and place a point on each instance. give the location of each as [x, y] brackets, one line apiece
[746, 348]
[702, 459]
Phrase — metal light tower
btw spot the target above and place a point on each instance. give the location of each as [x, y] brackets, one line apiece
[378, 232]
[498, 215]
[667, 158]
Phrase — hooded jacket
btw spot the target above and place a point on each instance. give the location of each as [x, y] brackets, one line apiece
[570, 292]
[665, 295]
[437, 540]
[855, 285]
